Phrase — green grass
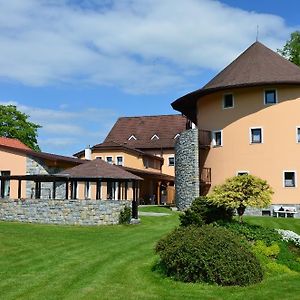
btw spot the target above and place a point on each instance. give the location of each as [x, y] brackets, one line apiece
[114, 262]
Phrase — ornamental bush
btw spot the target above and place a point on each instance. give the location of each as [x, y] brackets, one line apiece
[125, 215]
[208, 254]
[202, 211]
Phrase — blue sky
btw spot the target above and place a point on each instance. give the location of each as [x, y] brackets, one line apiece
[76, 66]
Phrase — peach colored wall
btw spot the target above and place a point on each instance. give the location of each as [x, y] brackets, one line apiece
[279, 151]
[16, 164]
[129, 160]
[166, 169]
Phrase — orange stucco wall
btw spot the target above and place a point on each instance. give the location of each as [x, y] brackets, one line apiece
[129, 160]
[165, 154]
[279, 151]
[16, 164]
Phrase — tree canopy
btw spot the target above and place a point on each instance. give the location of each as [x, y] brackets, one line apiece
[15, 124]
[242, 191]
[291, 49]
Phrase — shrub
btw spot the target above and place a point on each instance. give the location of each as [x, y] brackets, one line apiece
[290, 236]
[260, 248]
[253, 233]
[208, 254]
[125, 215]
[202, 211]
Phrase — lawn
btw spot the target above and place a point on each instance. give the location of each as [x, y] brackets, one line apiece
[114, 262]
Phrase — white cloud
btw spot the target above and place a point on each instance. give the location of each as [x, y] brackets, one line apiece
[69, 131]
[140, 46]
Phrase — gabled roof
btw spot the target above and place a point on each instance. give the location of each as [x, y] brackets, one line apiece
[108, 146]
[18, 147]
[256, 66]
[144, 128]
[98, 168]
[14, 143]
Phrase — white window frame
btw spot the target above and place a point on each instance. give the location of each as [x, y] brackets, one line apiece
[171, 156]
[283, 178]
[214, 138]
[262, 135]
[112, 159]
[132, 137]
[223, 101]
[242, 171]
[116, 161]
[155, 136]
[297, 128]
[264, 96]
[87, 190]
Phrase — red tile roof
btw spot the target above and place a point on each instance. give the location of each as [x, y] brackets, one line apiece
[98, 168]
[166, 127]
[256, 66]
[14, 143]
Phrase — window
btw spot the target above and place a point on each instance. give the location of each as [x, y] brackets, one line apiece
[109, 159]
[176, 136]
[256, 136]
[119, 161]
[228, 101]
[87, 190]
[98, 157]
[270, 97]
[171, 161]
[240, 173]
[298, 135]
[289, 179]
[217, 139]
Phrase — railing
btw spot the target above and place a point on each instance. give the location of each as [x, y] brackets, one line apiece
[204, 137]
[205, 177]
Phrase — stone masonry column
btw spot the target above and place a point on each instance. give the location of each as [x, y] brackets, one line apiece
[187, 185]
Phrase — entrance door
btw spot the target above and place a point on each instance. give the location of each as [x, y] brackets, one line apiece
[5, 189]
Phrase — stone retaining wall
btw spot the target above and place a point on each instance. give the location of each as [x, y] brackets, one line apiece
[68, 212]
[259, 211]
[186, 168]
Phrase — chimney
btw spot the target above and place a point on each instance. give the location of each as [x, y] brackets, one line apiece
[88, 153]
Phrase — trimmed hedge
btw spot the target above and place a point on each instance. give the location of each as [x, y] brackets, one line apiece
[208, 254]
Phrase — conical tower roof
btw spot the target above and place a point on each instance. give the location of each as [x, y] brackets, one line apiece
[256, 66]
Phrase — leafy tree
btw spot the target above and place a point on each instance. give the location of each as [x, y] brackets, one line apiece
[15, 124]
[242, 191]
[291, 49]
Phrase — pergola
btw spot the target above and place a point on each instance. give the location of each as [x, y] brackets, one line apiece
[96, 171]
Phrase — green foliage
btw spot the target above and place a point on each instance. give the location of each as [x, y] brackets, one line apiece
[202, 211]
[125, 215]
[15, 124]
[260, 248]
[238, 192]
[291, 49]
[253, 233]
[208, 254]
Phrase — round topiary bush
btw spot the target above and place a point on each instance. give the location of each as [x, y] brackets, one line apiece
[208, 254]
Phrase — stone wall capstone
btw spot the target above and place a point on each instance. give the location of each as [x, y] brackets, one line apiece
[187, 168]
[66, 212]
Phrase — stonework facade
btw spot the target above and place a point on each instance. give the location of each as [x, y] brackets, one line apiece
[35, 166]
[65, 212]
[187, 168]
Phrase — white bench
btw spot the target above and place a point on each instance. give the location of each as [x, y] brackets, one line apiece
[277, 211]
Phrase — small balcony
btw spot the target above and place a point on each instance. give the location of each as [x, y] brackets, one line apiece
[204, 137]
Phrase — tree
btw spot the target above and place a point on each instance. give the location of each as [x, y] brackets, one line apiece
[291, 49]
[15, 124]
[239, 192]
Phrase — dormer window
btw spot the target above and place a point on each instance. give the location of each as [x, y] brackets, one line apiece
[154, 137]
[132, 137]
[176, 136]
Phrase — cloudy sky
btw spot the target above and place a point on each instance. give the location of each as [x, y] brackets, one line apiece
[75, 66]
